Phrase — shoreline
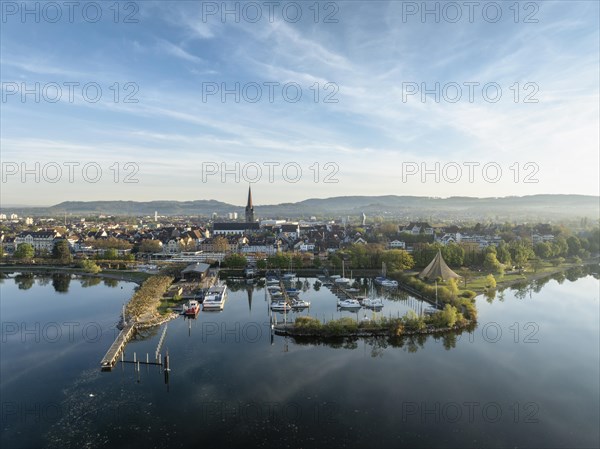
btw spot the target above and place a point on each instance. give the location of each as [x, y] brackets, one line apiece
[291, 331]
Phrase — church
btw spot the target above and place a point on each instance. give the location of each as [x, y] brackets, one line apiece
[233, 228]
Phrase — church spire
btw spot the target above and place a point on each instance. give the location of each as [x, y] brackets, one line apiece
[249, 207]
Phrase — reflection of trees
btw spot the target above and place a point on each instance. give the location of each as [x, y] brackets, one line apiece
[25, 280]
[61, 282]
[111, 282]
[575, 273]
[377, 344]
[145, 334]
[449, 341]
[317, 286]
[43, 279]
[490, 295]
[89, 281]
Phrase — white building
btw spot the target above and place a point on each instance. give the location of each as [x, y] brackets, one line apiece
[41, 241]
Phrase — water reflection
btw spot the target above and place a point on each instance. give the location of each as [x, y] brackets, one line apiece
[61, 282]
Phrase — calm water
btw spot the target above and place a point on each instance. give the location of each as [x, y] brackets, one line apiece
[528, 376]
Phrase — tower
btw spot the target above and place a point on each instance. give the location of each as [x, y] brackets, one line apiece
[249, 208]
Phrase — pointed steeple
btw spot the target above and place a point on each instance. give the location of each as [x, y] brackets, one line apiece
[249, 207]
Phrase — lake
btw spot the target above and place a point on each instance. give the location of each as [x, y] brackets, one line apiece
[527, 376]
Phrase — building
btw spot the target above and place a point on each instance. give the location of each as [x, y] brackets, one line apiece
[249, 208]
[41, 240]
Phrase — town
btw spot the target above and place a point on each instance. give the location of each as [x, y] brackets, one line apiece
[234, 242]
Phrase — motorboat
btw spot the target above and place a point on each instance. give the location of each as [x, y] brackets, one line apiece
[349, 304]
[300, 304]
[372, 303]
[280, 306]
[191, 308]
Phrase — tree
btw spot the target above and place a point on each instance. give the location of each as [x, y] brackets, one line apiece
[24, 252]
[453, 287]
[574, 246]
[111, 254]
[491, 262]
[220, 244]
[62, 252]
[521, 252]
[543, 250]
[503, 254]
[397, 260]
[235, 261]
[150, 246]
[89, 266]
[490, 281]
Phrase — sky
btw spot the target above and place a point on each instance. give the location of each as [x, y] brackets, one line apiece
[189, 100]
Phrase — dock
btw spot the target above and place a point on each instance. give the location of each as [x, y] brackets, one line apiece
[112, 355]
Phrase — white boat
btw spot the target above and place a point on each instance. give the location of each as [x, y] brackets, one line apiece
[349, 304]
[300, 304]
[388, 283]
[372, 303]
[215, 298]
[289, 276]
[273, 288]
[343, 281]
[280, 306]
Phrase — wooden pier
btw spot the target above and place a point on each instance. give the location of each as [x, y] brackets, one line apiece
[112, 355]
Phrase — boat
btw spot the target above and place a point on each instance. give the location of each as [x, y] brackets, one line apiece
[349, 304]
[343, 280]
[215, 298]
[293, 292]
[300, 304]
[191, 308]
[372, 303]
[280, 306]
[288, 276]
[388, 283]
[273, 288]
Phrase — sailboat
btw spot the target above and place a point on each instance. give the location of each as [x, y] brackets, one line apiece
[372, 302]
[343, 280]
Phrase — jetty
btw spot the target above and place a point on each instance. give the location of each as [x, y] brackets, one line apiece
[112, 355]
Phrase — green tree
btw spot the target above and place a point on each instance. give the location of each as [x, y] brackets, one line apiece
[62, 252]
[490, 281]
[521, 252]
[110, 254]
[89, 266]
[397, 260]
[453, 287]
[24, 252]
[491, 263]
[543, 250]
[560, 247]
[503, 254]
[574, 246]
[235, 261]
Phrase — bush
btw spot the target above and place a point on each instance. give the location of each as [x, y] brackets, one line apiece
[307, 322]
[89, 266]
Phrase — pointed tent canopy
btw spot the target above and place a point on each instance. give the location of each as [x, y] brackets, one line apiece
[438, 268]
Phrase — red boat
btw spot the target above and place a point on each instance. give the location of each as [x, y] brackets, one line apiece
[192, 308]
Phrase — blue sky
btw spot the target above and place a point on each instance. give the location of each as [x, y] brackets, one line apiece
[375, 132]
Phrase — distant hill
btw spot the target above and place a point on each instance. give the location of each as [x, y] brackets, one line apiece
[512, 207]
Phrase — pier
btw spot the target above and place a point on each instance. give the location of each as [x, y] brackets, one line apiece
[112, 355]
